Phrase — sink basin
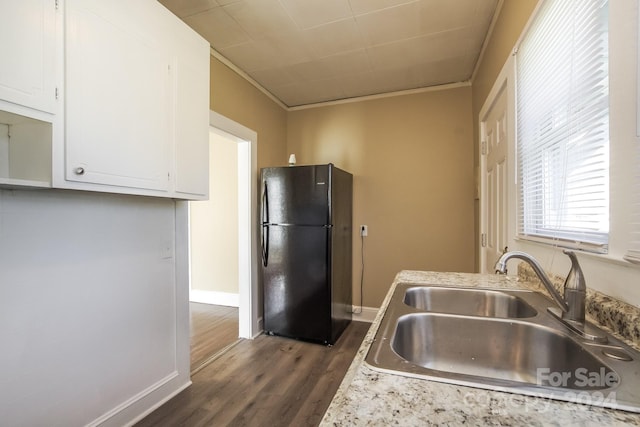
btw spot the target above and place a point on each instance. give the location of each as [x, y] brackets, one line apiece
[497, 349]
[471, 302]
[502, 340]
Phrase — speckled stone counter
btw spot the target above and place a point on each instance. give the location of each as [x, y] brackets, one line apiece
[371, 398]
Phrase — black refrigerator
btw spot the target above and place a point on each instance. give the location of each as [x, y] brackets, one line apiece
[306, 229]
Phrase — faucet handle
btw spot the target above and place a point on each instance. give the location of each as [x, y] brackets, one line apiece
[575, 290]
[575, 278]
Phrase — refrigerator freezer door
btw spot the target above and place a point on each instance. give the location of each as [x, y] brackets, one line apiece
[296, 283]
[296, 195]
[340, 250]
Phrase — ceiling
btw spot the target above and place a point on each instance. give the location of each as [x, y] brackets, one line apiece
[310, 51]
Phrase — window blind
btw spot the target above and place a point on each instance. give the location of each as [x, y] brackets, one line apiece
[563, 125]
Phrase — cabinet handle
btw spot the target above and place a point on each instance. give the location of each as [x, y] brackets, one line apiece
[79, 171]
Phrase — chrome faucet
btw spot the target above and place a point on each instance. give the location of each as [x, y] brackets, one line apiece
[575, 291]
[501, 268]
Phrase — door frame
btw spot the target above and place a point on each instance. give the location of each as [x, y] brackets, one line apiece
[504, 81]
[250, 322]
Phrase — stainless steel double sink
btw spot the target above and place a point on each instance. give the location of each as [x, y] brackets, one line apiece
[501, 340]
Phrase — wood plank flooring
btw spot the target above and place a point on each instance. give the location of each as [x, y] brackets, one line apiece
[213, 327]
[268, 381]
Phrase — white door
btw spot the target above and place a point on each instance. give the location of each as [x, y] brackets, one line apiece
[493, 199]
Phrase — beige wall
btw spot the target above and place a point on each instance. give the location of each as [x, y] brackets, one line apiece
[412, 157]
[412, 161]
[510, 23]
[214, 222]
[235, 98]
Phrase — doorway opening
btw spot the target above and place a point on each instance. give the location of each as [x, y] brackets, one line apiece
[223, 236]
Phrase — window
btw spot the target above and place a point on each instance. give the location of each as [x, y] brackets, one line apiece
[562, 107]
[633, 254]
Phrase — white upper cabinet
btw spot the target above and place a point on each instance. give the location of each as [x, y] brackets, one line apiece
[114, 100]
[27, 53]
[191, 100]
[117, 87]
[30, 55]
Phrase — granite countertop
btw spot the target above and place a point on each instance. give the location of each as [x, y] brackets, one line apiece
[372, 398]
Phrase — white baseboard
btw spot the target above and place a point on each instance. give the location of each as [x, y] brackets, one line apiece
[368, 314]
[157, 405]
[143, 403]
[213, 297]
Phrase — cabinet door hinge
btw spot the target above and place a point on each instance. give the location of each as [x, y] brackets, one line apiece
[483, 237]
[484, 147]
[57, 4]
[57, 93]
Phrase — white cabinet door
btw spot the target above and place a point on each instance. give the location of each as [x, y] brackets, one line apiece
[192, 138]
[118, 95]
[191, 106]
[27, 53]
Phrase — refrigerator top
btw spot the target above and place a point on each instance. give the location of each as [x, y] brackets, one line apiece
[297, 195]
[328, 165]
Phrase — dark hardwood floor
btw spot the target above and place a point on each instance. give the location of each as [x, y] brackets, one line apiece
[213, 327]
[268, 381]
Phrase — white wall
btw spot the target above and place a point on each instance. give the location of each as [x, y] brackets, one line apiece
[93, 323]
[214, 224]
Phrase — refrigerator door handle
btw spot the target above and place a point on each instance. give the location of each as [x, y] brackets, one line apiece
[265, 204]
[264, 235]
[265, 245]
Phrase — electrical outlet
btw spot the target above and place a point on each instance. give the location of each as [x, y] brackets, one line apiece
[364, 230]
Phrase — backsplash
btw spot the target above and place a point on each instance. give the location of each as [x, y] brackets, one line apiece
[617, 316]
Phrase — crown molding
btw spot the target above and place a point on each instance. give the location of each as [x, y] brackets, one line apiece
[382, 95]
[485, 43]
[247, 77]
[258, 86]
